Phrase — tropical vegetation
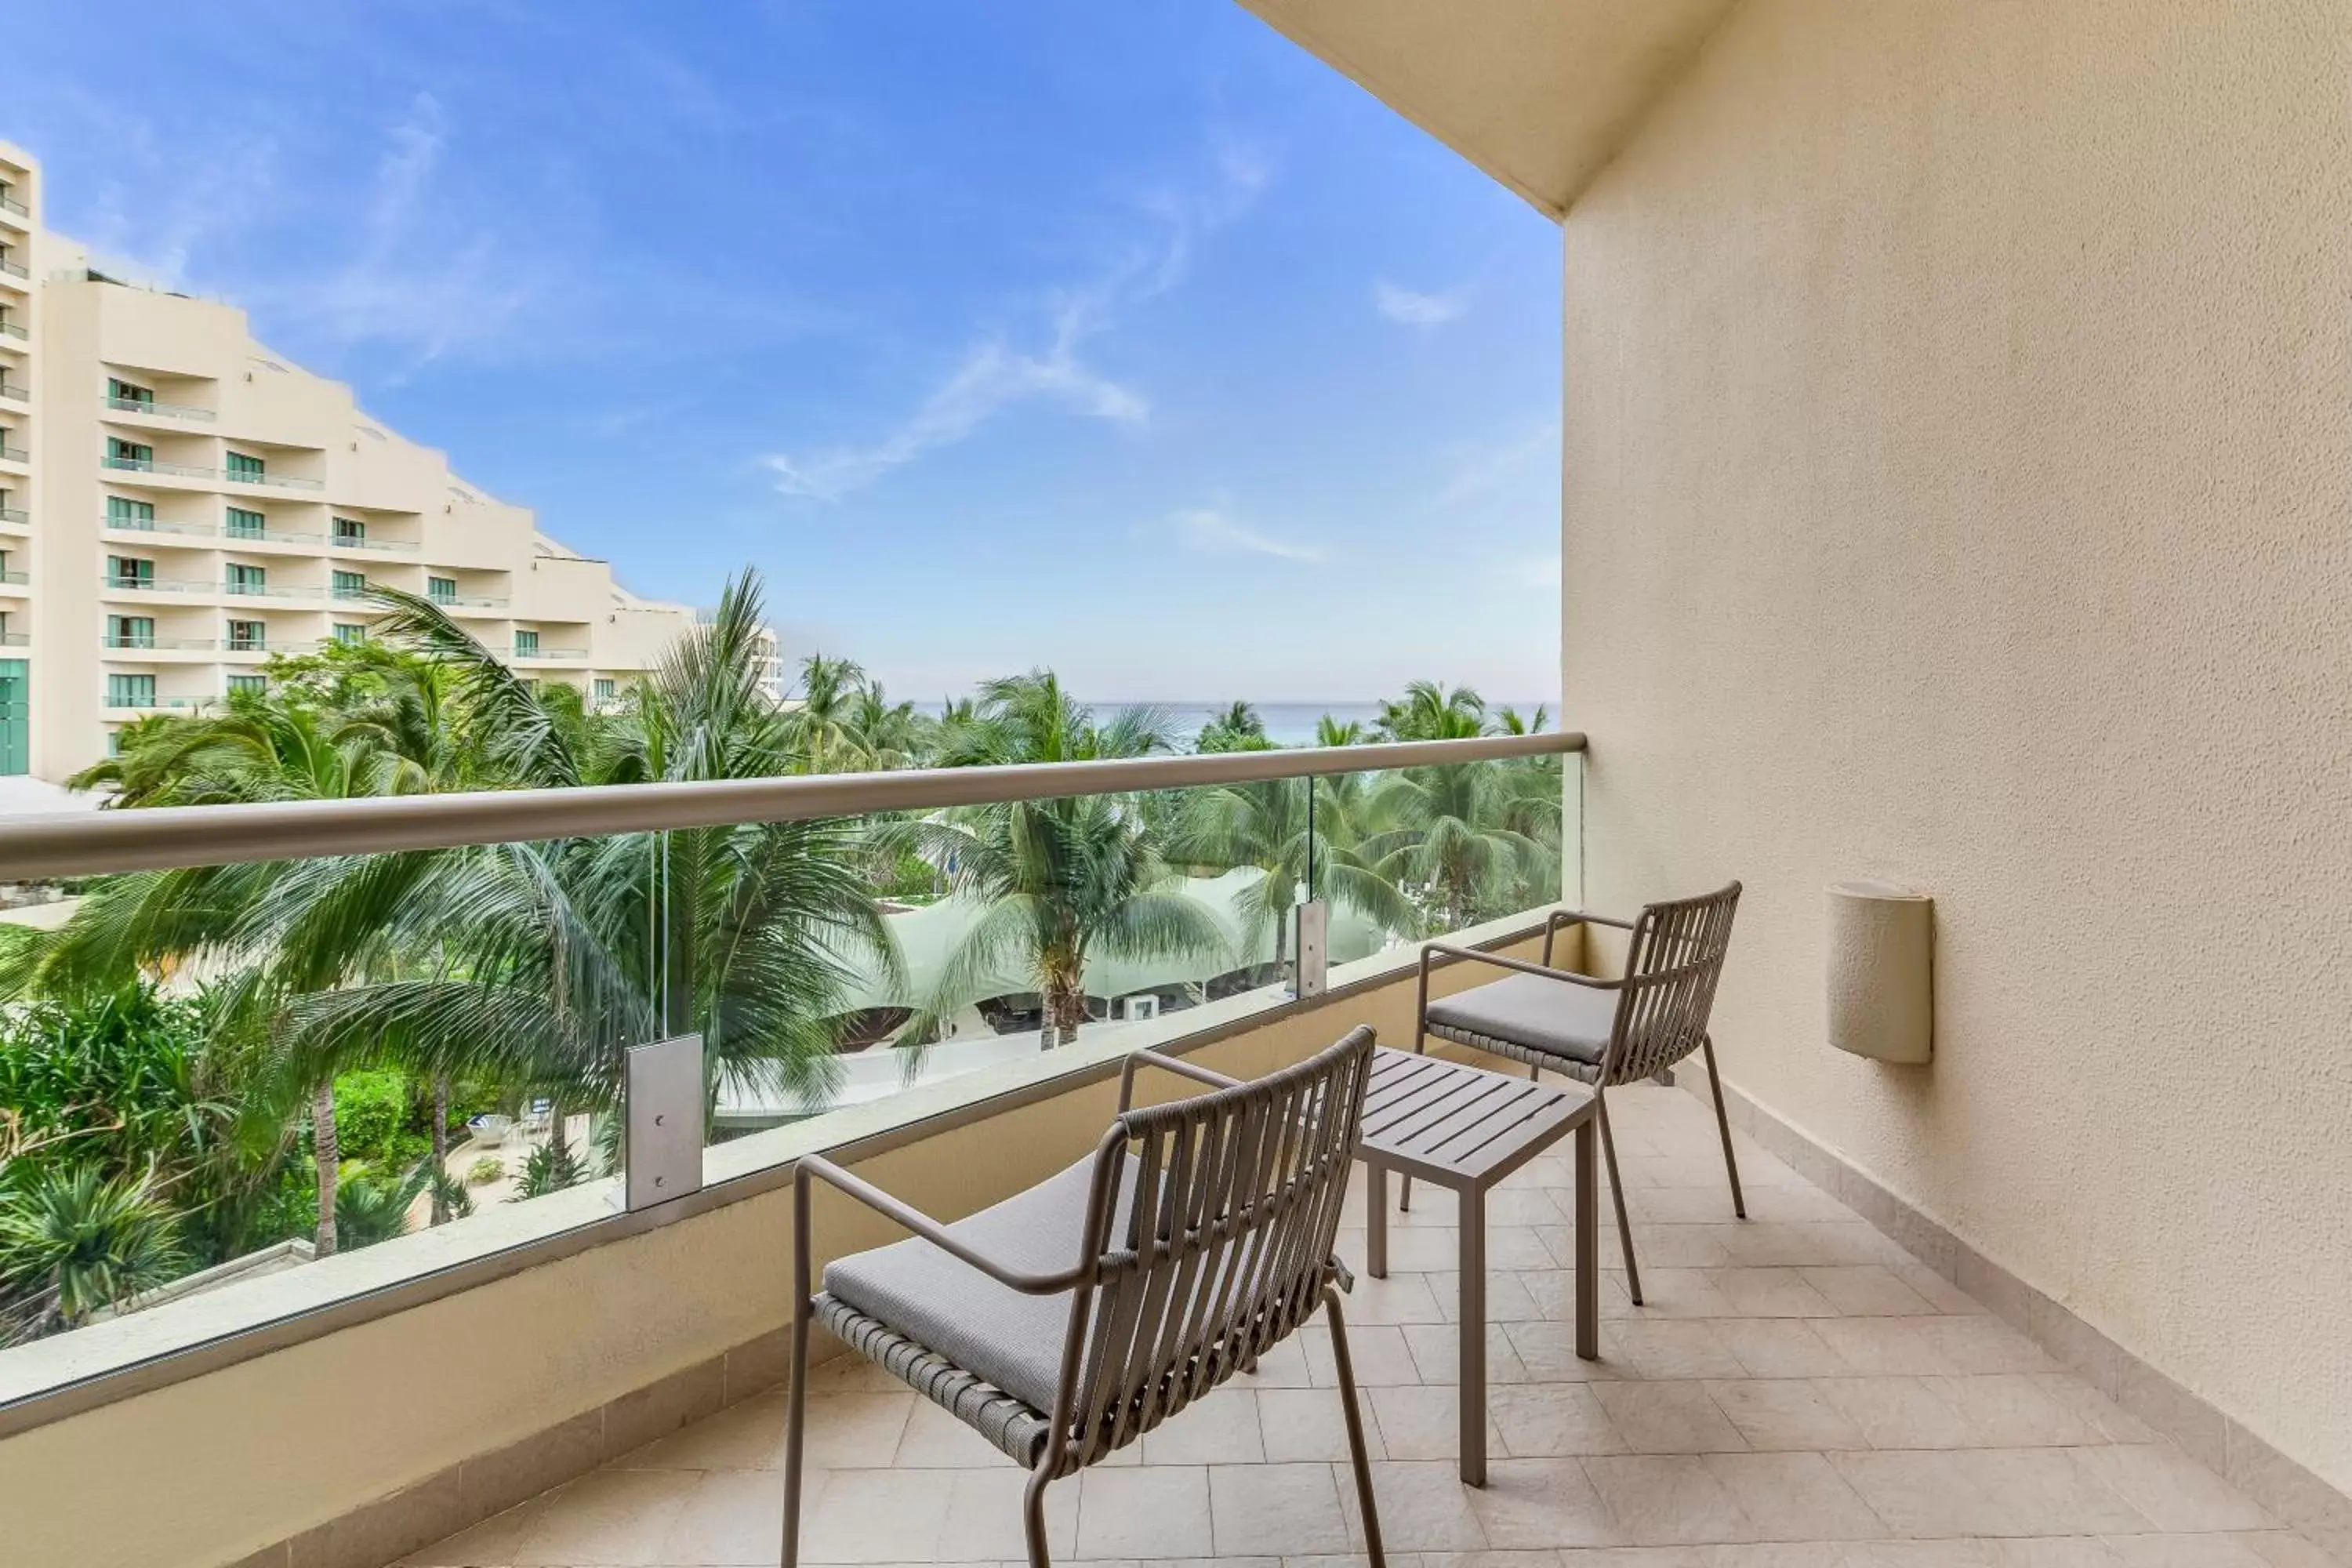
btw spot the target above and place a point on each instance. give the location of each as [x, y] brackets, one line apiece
[203, 1063]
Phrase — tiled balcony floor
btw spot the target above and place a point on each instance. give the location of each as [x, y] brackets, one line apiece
[1797, 1392]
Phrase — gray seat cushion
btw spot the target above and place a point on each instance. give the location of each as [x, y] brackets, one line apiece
[1012, 1340]
[1542, 1017]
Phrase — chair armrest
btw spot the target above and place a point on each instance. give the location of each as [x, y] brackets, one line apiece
[1559, 917]
[914, 1220]
[1430, 951]
[1176, 1065]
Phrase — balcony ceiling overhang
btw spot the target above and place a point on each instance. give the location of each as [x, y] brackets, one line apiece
[1539, 93]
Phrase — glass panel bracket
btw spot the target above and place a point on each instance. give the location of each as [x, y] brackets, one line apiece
[1314, 949]
[665, 1102]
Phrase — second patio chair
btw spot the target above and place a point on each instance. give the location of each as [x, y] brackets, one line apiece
[1069, 1320]
[1602, 1032]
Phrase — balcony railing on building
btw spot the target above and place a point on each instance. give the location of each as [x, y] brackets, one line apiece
[13, 269]
[16, 515]
[158, 525]
[343, 541]
[14, 454]
[149, 640]
[11, 330]
[159, 410]
[114, 583]
[157, 466]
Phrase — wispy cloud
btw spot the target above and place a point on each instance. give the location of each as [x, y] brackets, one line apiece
[997, 373]
[1207, 529]
[1523, 455]
[1415, 309]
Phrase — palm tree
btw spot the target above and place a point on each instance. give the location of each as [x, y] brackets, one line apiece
[1430, 712]
[74, 1240]
[1059, 881]
[1330, 731]
[1238, 729]
[1270, 827]
[823, 723]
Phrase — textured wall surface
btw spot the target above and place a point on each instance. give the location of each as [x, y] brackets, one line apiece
[1959, 491]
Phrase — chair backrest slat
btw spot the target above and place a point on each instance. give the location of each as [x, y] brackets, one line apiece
[1672, 967]
[1228, 1243]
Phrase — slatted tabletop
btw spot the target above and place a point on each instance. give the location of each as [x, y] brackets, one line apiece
[1465, 1129]
[1455, 1124]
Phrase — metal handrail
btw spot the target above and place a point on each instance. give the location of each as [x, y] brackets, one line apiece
[81, 844]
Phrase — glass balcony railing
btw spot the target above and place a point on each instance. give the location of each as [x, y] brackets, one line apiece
[401, 546]
[16, 579]
[481, 1039]
[11, 330]
[13, 208]
[156, 465]
[474, 602]
[271, 591]
[14, 454]
[168, 644]
[13, 269]
[16, 515]
[158, 525]
[154, 409]
[16, 640]
[120, 584]
[275, 482]
[145, 702]
[15, 392]
[537, 650]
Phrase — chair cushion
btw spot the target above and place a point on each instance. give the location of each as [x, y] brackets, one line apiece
[944, 1303]
[1553, 1018]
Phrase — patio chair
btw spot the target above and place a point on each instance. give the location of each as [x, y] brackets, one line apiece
[1602, 1032]
[1067, 1321]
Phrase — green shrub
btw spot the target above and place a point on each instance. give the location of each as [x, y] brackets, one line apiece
[483, 1171]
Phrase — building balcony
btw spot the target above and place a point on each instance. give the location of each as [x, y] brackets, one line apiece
[522, 654]
[476, 605]
[14, 270]
[15, 214]
[16, 640]
[149, 408]
[15, 392]
[158, 467]
[271, 591]
[11, 330]
[392, 546]
[158, 584]
[158, 645]
[152, 525]
[272, 482]
[16, 455]
[16, 516]
[15, 579]
[297, 538]
[117, 705]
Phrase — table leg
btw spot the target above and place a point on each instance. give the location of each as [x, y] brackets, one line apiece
[1376, 1221]
[1472, 1331]
[1588, 1247]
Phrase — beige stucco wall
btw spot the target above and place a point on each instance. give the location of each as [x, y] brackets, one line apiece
[1958, 492]
[228, 1463]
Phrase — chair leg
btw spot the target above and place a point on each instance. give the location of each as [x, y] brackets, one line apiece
[1032, 1518]
[1723, 1125]
[1365, 1505]
[796, 1400]
[1617, 1194]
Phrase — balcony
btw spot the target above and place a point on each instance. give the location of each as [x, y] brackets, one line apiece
[271, 536]
[15, 392]
[11, 330]
[153, 644]
[150, 408]
[522, 654]
[15, 579]
[13, 269]
[158, 525]
[271, 481]
[464, 603]
[121, 702]
[271, 591]
[114, 584]
[395, 546]
[156, 465]
[11, 208]
[14, 454]
[16, 640]
[16, 516]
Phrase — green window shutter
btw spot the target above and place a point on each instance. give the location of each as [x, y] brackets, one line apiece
[349, 528]
[247, 524]
[349, 636]
[123, 512]
[441, 590]
[350, 584]
[254, 684]
[526, 643]
[246, 579]
[247, 637]
[603, 688]
[243, 466]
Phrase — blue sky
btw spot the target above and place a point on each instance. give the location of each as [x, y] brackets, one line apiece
[1127, 338]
